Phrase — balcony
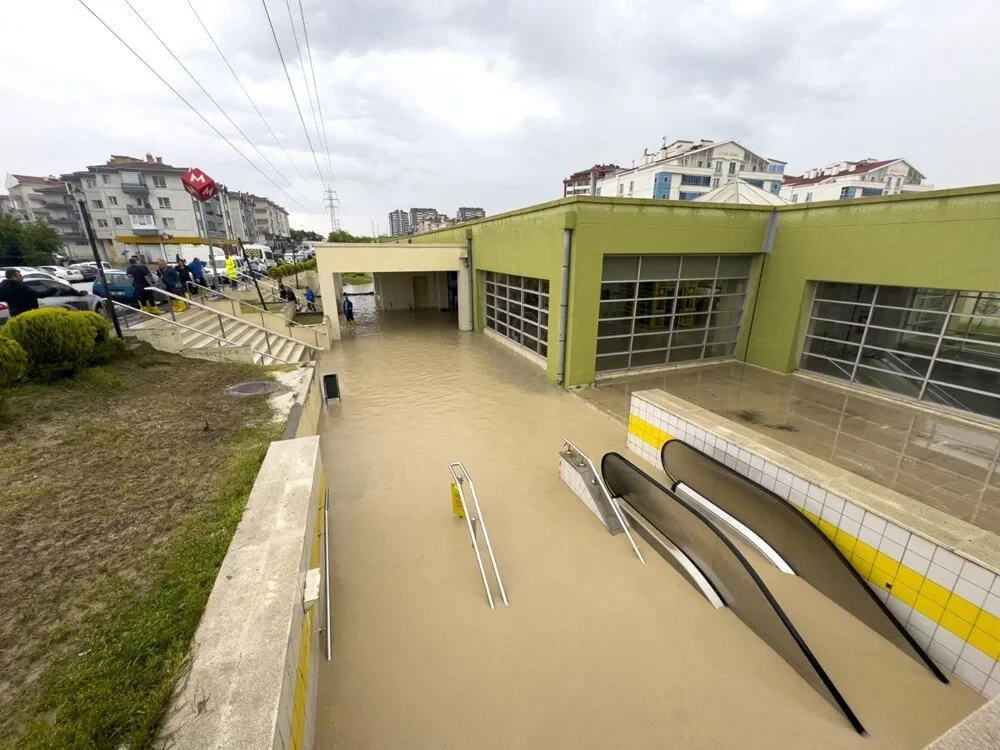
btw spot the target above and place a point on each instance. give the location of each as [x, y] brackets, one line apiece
[139, 210]
[135, 188]
[64, 220]
[59, 206]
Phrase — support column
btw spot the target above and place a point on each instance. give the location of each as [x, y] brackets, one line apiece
[464, 306]
[328, 288]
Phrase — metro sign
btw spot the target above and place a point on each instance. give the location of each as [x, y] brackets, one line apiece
[199, 184]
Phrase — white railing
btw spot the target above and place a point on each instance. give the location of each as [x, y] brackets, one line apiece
[234, 302]
[474, 521]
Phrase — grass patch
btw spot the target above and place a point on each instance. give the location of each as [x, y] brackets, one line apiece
[309, 318]
[110, 540]
[356, 279]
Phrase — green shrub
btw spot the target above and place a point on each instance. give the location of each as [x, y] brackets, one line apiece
[106, 347]
[288, 269]
[58, 342]
[13, 362]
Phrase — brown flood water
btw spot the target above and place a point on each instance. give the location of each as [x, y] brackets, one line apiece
[595, 650]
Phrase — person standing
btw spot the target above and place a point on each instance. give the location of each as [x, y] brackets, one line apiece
[172, 283]
[231, 270]
[348, 308]
[19, 296]
[197, 268]
[142, 281]
[186, 276]
[310, 296]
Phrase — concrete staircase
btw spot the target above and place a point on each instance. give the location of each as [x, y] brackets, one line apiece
[243, 341]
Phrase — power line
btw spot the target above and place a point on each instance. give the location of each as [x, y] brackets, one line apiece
[210, 97]
[305, 80]
[190, 106]
[249, 98]
[292, 89]
[312, 68]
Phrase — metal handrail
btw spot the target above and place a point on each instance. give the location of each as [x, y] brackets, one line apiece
[234, 300]
[612, 500]
[221, 340]
[326, 570]
[267, 333]
[261, 280]
[470, 521]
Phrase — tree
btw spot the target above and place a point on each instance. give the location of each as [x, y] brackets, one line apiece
[305, 235]
[27, 245]
[345, 236]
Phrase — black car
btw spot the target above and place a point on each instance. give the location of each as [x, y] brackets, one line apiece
[88, 270]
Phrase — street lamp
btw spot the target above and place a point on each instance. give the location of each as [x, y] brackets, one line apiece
[81, 201]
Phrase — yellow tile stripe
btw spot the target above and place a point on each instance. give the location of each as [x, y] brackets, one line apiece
[302, 682]
[966, 620]
[647, 432]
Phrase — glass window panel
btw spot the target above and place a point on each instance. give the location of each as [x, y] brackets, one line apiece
[530, 329]
[651, 341]
[720, 350]
[514, 281]
[544, 286]
[501, 278]
[543, 319]
[514, 294]
[530, 313]
[543, 349]
[611, 345]
[987, 405]
[725, 319]
[648, 358]
[841, 311]
[614, 328]
[620, 267]
[825, 367]
[910, 320]
[969, 377]
[514, 308]
[687, 338]
[500, 328]
[905, 364]
[888, 381]
[974, 328]
[731, 286]
[699, 266]
[734, 265]
[649, 307]
[653, 325]
[657, 289]
[835, 349]
[490, 287]
[720, 335]
[685, 354]
[531, 284]
[502, 317]
[915, 343]
[837, 331]
[617, 291]
[530, 298]
[491, 323]
[617, 309]
[699, 288]
[914, 298]
[974, 352]
[691, 320]
[501, 304]
[861, 293]
[613, 362]
[659, 266]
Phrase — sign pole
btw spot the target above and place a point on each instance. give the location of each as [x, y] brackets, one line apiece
[211, 250]
[253, 274]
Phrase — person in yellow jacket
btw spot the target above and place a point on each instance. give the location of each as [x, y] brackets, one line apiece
[231, 272]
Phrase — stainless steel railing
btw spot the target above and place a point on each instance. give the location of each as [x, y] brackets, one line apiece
[234, 302]
[222, 341]
[612, 500]
[474, 521]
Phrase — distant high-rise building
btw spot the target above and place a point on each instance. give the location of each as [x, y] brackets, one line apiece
[399, 223]
[420, 215]
[854, 179]
[467, 213]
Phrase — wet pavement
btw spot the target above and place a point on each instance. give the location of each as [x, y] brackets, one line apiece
[595, 650]
[948, 464]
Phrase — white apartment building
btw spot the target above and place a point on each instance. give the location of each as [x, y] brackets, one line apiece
[270, 219]
[584, 182]
[241, 221]
[685, 170]
[137, 206]
[47, 199]
[844, 180]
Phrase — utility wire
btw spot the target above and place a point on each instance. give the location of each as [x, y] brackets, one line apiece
[190, 106]
[312, 68]
[249, 98]
[292, 89]
[305, 80]
[210, 97]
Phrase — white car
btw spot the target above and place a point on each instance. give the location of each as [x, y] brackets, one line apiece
[66, 274]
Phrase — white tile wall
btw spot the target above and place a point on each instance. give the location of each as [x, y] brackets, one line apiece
[967, 579]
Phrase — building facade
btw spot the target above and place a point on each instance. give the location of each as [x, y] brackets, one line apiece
[270, 219]
[585, 181]
[32, 199]
[399, 223]
[467, 213]
[241, 219]
[854, 179]
[134, 203]
[685, 170]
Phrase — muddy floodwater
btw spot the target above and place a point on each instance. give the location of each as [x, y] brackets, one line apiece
[595, 650]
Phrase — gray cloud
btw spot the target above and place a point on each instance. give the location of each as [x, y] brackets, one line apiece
[447, 103]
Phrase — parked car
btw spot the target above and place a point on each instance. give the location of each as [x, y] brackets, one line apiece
[88, 270]
[53, 292]
[121, 287]
[72, 275]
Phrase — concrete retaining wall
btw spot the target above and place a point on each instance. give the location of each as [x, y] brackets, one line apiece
[936, 574]
[252, 678]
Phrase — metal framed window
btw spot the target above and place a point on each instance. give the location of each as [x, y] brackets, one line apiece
[664, 309]
[936, 345]
[518, 307]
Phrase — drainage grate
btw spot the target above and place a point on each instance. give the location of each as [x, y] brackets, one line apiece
[255, 388]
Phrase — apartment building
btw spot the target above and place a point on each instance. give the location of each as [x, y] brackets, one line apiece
[585, 181]
[686, 170]
[270, 219]
[238, 215]
[419, 215]
[134, 203]
[470, 213]
[399, 223]
[844, 180]
[47, 199]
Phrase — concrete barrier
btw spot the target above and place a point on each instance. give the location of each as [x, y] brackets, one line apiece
[252, 677]
[935, 573]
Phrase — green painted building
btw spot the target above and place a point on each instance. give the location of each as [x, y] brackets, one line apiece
[899, 293]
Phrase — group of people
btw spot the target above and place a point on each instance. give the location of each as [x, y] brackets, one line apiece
[287, 294]
[181, 279]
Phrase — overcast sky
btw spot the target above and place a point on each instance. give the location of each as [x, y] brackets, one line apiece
[491, 103]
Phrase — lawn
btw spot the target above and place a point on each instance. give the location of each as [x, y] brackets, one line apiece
[356, 279]
[121, 492]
